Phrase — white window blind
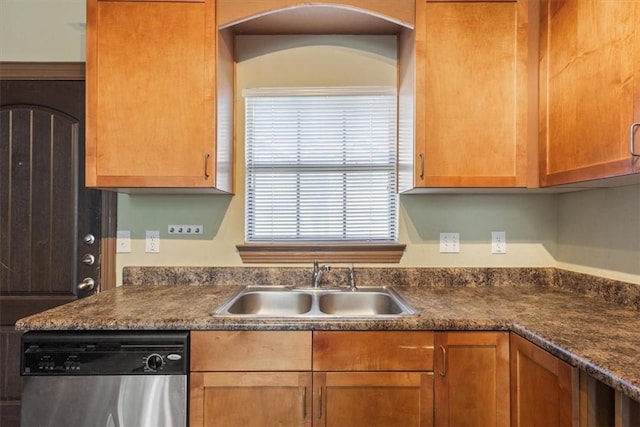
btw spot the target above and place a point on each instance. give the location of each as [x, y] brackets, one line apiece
[321, 165]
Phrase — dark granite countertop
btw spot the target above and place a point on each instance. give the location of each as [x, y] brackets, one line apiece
[599, 337]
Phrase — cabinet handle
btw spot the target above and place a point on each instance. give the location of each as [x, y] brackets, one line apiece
[206, 165]
[320, 403]
[632, 138]
[443, 372]
[421, 165]
[304, 404]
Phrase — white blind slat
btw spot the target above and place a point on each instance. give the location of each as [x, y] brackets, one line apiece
[321, 164]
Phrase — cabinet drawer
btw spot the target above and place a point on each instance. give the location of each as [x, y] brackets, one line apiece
[250, 350]
[372, 351]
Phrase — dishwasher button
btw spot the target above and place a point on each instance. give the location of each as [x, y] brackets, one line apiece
[154, 362]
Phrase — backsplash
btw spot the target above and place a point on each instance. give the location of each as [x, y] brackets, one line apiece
[621, 293]
[337, 277]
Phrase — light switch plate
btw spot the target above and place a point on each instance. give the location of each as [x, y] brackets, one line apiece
[449, 243]
[123, 241]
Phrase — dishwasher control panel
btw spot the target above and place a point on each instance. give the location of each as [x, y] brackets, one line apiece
[105, 353]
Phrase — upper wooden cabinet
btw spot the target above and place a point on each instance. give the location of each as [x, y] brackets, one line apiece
[151, 96]
[589, 89]
[471, 95]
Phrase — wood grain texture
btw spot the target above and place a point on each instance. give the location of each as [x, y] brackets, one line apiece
[233, 11]
[301, 253]
[472, 379]
[151, 94]
[472, 125]
[251, 399]
[597, 402]
[372, 351]
[251, 351]
[590, 89]
[363, 399]
[57, 71]
[541, 380]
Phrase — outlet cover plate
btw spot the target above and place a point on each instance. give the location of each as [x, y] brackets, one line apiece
[498, 242]
[152, 241]
[449, 243]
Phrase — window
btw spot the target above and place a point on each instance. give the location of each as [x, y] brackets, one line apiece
[321, 165]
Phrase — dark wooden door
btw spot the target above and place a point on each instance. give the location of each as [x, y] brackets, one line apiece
[45, 214]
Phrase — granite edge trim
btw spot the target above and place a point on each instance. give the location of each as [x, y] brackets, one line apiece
[415, 323]
[567, 356]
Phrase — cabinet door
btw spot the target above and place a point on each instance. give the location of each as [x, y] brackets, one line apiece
[589, 89]
[472, 379]
[365, 399]
[150, 94]
[543, 388]
[471, 94]
[250, 399]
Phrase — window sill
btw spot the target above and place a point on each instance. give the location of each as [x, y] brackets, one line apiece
[325, 252]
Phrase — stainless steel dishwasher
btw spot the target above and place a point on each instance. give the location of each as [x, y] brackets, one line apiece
[104, 378]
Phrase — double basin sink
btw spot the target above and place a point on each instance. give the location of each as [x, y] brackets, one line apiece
[285, 302]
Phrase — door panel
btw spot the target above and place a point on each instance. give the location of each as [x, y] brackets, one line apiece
[39, 204]
[45, 211]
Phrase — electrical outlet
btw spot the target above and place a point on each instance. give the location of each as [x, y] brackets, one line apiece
[498, 242]
[449, 242]
[185, 229]
[123, 241]
[152, 241]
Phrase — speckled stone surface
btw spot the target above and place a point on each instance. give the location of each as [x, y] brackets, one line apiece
[337, 277]
[595, 335]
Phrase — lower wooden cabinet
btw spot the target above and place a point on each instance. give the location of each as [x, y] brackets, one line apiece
[250, 378]
[472, 379]
[250, 399]
[365, 399]
[364, 379]
[385, 378]
[281, 378]
[543, 388]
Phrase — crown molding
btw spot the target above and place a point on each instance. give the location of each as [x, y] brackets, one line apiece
[42, 70]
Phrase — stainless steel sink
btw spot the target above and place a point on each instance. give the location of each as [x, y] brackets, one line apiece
[282, 302]
[359, 304]
[270, 303]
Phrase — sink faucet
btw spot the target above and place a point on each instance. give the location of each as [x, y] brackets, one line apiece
[317, 273]
[351, 279]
